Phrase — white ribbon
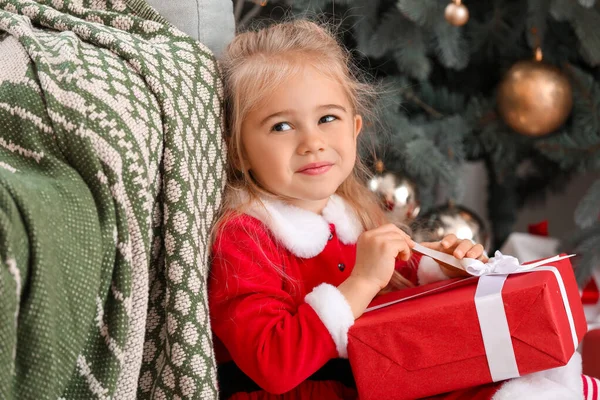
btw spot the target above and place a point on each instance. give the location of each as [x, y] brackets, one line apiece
[494, 328]
[490, 306]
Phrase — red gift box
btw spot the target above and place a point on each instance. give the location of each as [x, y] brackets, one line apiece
[431, 341]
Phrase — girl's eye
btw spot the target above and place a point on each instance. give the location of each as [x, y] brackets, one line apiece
[327, 118]
[281, 127]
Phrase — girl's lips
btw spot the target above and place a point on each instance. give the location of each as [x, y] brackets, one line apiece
[315, 168]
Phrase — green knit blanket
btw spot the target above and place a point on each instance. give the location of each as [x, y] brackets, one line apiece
[111, 173]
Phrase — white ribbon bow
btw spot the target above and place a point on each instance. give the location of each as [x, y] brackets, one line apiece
[500, 264]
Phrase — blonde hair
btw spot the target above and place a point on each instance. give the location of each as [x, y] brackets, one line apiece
[256, 63]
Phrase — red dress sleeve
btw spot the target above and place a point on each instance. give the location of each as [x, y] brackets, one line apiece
[421, 270]
[276, 339]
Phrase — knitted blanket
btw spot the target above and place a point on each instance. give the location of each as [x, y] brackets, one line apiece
[111, 172]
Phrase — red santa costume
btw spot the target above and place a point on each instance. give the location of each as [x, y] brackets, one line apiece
[280, 323]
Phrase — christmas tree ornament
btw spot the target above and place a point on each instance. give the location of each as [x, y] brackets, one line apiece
[451, 218]
[397, 193]
[534, 98]
[456, 13]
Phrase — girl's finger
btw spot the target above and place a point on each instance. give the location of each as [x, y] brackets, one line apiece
[475, 251]
[449, 240]
[400, 248]
[404, 251]
[439, 247]
[462, 248]
[393, 234]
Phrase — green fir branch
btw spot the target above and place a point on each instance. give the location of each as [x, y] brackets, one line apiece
[586, 244]
[585, 22]
[365, 21]
[571, 240]
[537, 15]
[479, 112]
[309, 7]
[416, 64]
[440, 98]
[502, 146]
[431, 168]
[410, 52]
[403, 39]
[422, 12]
[497, 32]
[587, 3]
[560, 43]
[447, 41]
[450, 45]
[412, 97]
[587, 212]
[384, 37]
[449, 133]
[589, 251]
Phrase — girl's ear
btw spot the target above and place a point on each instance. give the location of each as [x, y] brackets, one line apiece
[242, 168]
[241, 162]
[244, 164]
[358, 123]
[236, 163]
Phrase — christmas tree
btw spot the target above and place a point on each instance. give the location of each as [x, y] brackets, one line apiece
[447, 99]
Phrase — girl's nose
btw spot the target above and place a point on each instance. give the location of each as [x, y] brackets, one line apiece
[311, 141]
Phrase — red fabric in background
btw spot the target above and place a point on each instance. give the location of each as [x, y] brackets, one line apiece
[540, 229]
[590, 293]
[395, 351]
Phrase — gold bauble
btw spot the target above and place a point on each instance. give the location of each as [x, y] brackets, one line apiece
[534, 98]
[398, 195]
[456, 13]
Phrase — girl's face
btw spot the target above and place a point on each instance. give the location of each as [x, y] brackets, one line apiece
[300, 142]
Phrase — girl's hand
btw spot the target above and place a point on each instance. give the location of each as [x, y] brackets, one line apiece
[376, 254]
[459, 248]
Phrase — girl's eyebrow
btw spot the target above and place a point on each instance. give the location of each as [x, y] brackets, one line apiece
[336, 106]
[277, 114]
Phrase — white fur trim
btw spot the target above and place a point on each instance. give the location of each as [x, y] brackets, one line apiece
[303, 232]
[563, 383]
[347, 225]
[335, 313]
[429, 271]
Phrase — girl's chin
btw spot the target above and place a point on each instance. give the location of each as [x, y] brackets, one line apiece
[312, 203]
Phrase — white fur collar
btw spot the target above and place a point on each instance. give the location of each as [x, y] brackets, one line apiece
[303, 232]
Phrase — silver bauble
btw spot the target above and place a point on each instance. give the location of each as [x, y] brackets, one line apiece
[444, 220]
[398, 194]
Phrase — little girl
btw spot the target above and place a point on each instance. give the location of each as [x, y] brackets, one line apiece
[301, 246]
